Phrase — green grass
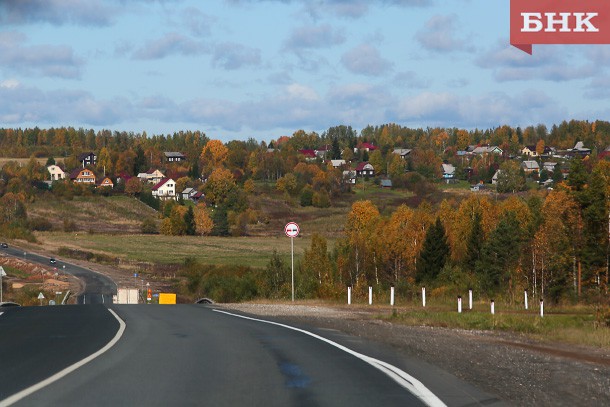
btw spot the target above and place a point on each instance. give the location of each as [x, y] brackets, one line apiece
[557, 325]
[243, 251]
[457, 185]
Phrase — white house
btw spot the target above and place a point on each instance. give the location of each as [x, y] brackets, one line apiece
[337, 163]
[487, 150]
[165, 189]
[494, 179]
[56, 173]
[448, 171]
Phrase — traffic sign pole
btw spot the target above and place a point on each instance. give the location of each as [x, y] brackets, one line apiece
[292, 230]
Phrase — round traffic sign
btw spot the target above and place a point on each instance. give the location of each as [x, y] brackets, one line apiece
[291, 229]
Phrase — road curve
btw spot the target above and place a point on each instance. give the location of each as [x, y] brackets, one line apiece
[192, 355]
[98, 289]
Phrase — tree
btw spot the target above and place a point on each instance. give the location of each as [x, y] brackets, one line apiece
[203, 222]
[500, 255]
[139, 162]
[214, 154]
[361, 222]
[475, 243]
[510, 178]
[315, 277]
[335, 152]
[276, 276]
[434, 254]
[189, 221]
[219, 185]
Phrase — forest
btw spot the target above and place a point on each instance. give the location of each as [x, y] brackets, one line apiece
[553, 242]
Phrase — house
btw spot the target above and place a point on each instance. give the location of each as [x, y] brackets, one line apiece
[172, 156]
[337, 163]
[83, 176]
[402, 152]
[386, 184]
[580, 149]
[197, 197]
[123, 177]
[321, 152]
[549, 166]
[104, 182]
[349, 177]
[481, 150]
[365, 170]
[477, 187]
[165, 189]
[448, 171]
[368, 147]
[310, 155]
[151, 176]
[530, 166]
[56, 173]
[188, 193]
[88, 158]
[529, 151]
[494, 179]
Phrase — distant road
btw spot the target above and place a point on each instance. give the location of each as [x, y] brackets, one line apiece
[192, 355]
[99, 289]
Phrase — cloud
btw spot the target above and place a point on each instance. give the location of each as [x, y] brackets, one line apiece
[440, 34]
[44, 60]
[57, 12]
[342, 8]
[322, 36]
[410, 79]
[170, 44]
[486, 110]
[21, 104]
[599, 88]
[365, 60]
[231, 56]
[548, 63]
[198, 23]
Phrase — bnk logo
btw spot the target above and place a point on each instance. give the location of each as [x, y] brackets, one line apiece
[559, 22]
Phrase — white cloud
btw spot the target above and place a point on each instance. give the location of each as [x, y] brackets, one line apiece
[322, 36]
[233, 56]
[365, 60]
[170, 44]
[9, 84]
[440, 34]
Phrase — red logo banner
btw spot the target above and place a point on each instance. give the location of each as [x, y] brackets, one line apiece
[559, 22]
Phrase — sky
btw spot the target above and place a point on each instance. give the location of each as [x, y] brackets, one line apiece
[236, 69]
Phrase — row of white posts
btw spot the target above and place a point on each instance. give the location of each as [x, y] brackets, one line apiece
[459, 300]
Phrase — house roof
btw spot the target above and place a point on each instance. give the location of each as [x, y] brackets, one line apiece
[174, 154]
[361, 166]
[448, 169]
[369, 146]
[308, 153]
[530, 165]
[486, 149]
[337, 163]
[55, 169]
[161, 183]
[74, 174]
[82, 156]
[102, 180]
[402, 151]
[189, 191]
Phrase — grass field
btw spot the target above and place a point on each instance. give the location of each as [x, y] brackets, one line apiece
[160, 249]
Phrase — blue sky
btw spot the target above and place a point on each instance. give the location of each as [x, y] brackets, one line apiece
[265, 68]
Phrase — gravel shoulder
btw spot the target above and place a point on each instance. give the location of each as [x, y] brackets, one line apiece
[513, 367]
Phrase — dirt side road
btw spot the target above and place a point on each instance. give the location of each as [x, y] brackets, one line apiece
[521, 371]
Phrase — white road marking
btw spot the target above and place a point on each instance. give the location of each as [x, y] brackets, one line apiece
[1, 313]
[32, 389]
[407, 381]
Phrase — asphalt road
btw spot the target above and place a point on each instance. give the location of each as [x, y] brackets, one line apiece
[193, 355]
[98, 289]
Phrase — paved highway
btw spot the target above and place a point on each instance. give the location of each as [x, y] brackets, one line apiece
[195, 355]
[98, 289]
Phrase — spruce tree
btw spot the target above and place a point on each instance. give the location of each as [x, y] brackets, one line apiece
[189, 220]
[475, 242]
[434, 254]
[500, 254]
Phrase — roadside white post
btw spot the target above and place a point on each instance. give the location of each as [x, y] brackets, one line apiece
[370, 295]
[349, 295]
[525, 295]
[292, 230]
[459, 304]
[470, 298]
[423, 296]
[2, 274]
[392, 296]
[541, 308]
[493, 307]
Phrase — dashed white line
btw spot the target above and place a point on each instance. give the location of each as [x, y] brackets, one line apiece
[32, 389]
[407, 381]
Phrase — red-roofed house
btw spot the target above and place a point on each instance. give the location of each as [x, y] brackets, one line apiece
[310, 155]
[368, 147]
[165, 189]
[105, 182]
[365, 170]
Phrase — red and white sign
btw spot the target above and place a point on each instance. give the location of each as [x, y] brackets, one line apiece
[559, 22]
[291, 229]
